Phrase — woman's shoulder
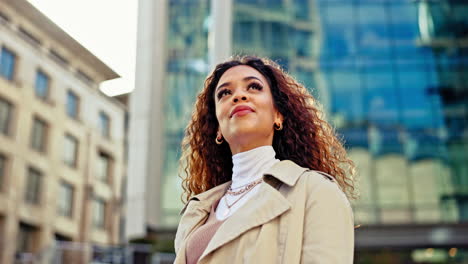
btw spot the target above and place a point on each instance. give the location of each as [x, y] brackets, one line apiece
[318, 179]
[320, 186]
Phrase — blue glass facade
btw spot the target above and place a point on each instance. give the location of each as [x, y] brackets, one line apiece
[287, 32]
[396, 74]
[186, 69]
[392, 75]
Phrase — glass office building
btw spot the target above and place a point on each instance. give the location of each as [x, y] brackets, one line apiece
[287, 32]
[393, 78]
[396, 72]
[186, 69]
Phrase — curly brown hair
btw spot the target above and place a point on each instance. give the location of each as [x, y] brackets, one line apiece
[307, 139]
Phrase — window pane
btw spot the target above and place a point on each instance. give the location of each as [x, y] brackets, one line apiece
[302, 9]
[72, 104]
[103, 167]
[70, 150]
[25, 238]
[65, 202]
[33, 186]
[3, 162]
[38, 136]
[5, 116]
[303, 43]
[340, 36]
[7, 64]
[104, 124]
[99, 213]
[42, 85]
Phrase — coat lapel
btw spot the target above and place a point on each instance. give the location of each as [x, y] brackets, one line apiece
[194, 212]
[267, 204]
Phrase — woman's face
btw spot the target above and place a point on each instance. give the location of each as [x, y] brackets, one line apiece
[245, 109]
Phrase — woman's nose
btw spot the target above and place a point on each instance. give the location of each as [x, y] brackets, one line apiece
[239, 96]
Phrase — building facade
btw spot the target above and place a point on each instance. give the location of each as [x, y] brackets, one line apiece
[391, 75]
[62, 162]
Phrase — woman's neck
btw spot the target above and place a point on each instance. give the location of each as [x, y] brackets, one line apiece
[250, 165]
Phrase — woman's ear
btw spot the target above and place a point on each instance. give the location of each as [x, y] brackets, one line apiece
[279, 117]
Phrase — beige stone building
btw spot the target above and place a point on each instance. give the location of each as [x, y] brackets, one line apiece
[62, 153]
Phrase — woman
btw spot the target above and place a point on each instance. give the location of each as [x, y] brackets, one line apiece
[258, 157]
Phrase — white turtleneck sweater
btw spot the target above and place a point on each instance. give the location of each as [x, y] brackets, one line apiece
[247, 167]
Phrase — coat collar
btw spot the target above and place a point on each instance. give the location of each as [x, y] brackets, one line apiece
[285, 171]
[267, 204]
[204, 200]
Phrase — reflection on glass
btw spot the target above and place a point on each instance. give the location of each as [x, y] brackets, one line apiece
[397, 80]
[187, 66]
[393, 78]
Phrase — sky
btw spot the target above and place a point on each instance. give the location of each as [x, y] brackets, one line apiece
[107, 28]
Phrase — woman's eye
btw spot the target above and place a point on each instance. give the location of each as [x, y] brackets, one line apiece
[256, 86]
[223, 93]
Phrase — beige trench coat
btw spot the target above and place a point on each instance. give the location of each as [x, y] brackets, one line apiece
[297, 216]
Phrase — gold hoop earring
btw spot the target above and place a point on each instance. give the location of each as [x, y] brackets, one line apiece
[219, 139]
[278, 126]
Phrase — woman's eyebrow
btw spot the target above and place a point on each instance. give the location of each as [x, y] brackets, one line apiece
[222, 85]
[252, 77]
[248, 78]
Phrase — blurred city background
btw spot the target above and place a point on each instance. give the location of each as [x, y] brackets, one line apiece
[89, 168]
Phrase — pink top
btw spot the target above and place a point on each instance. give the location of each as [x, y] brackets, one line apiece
[200, 238]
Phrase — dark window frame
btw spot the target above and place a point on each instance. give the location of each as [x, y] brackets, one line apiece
[102, 223]
[34, 196]
[46, 96]
[32, 233]
[74, 163]
[4, 170]
[58, 58]
[72, 94]
[109, 169]
[29, 37]
[43, 147]
[105, 131]
[7, 130]
[68, 212]
[15, 64]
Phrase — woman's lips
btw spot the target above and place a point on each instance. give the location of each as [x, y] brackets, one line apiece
[242, 112]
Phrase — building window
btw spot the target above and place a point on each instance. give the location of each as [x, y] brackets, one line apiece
[84, 77]
[70, 150]
[4, 18]
[26, 238]
[62, 238]
[72, 104]
[55, 55]
[29, 37]
[2, 229]
[103, 167]
[33, 186]
[3, 164]
[65, 201]
[6, 109]
[99, 213]
[104, 124]
[42, 85]
[39, 135]
[7, 64]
